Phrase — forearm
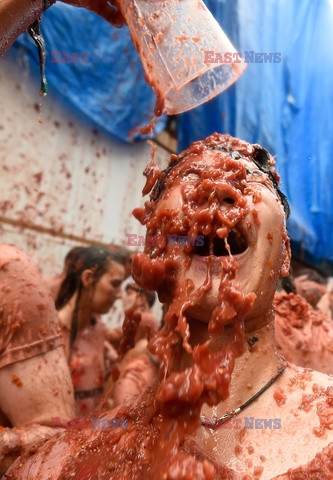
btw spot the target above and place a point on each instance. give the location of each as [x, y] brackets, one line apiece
[18, 440]
[16, 16]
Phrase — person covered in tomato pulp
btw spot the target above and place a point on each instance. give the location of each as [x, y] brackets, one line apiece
[225, 405]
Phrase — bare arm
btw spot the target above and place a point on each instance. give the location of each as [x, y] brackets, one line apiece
[32, 392]
[320, 467]
[17, 15]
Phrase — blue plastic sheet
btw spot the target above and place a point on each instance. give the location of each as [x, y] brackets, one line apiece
[95, 68]
[287, 106]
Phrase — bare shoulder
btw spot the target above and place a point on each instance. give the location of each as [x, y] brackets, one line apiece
[9, 253]
[321, 466]
[323, 379]
[10, 250]
[304, 398]
[304, 380]
[15, 263]
[20, 277]
[29, 324]
[300, 403]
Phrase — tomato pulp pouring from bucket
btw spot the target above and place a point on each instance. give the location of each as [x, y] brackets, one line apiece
[171, 37]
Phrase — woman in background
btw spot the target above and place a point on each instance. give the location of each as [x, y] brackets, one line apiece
[55, 282]
[91, 286]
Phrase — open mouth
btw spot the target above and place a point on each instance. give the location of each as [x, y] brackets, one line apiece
[218, 247]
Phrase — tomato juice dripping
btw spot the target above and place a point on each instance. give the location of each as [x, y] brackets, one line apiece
[155, 445]
[171, 410]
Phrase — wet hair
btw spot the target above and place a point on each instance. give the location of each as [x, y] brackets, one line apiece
[124, 254]
[260, 157]
[262, 160]
[149, 294]
[94, 258]
[73, 253]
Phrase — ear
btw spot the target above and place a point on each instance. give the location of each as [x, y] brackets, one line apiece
[286, 254]
[87, 278]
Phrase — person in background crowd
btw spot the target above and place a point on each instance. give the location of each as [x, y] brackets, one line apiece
[138, 368]
[303, 321]
[35, 383]
[303, 334]
[325, 304]
[125, 254]
[219, 360]
[142, 300]
[310, 285]
[317, 290]
[116, 314]
[92, 284]
[55, 282]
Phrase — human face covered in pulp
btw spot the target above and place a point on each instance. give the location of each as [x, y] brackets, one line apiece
[223, 201]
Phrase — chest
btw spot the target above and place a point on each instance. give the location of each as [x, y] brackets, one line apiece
[87, 353]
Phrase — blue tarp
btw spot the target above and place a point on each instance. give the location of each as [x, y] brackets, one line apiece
[106, 84]
[287, 107]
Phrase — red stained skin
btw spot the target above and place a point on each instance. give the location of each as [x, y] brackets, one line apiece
[320, 468]
[303, 335]
[325, 410]
[155, 445]
[269, 237]
[238, 450]
[258, 471]
[17, 381]
[280, 397]
[256, 217]
[160, 421]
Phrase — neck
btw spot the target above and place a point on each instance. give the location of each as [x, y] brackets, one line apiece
[253, 369]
